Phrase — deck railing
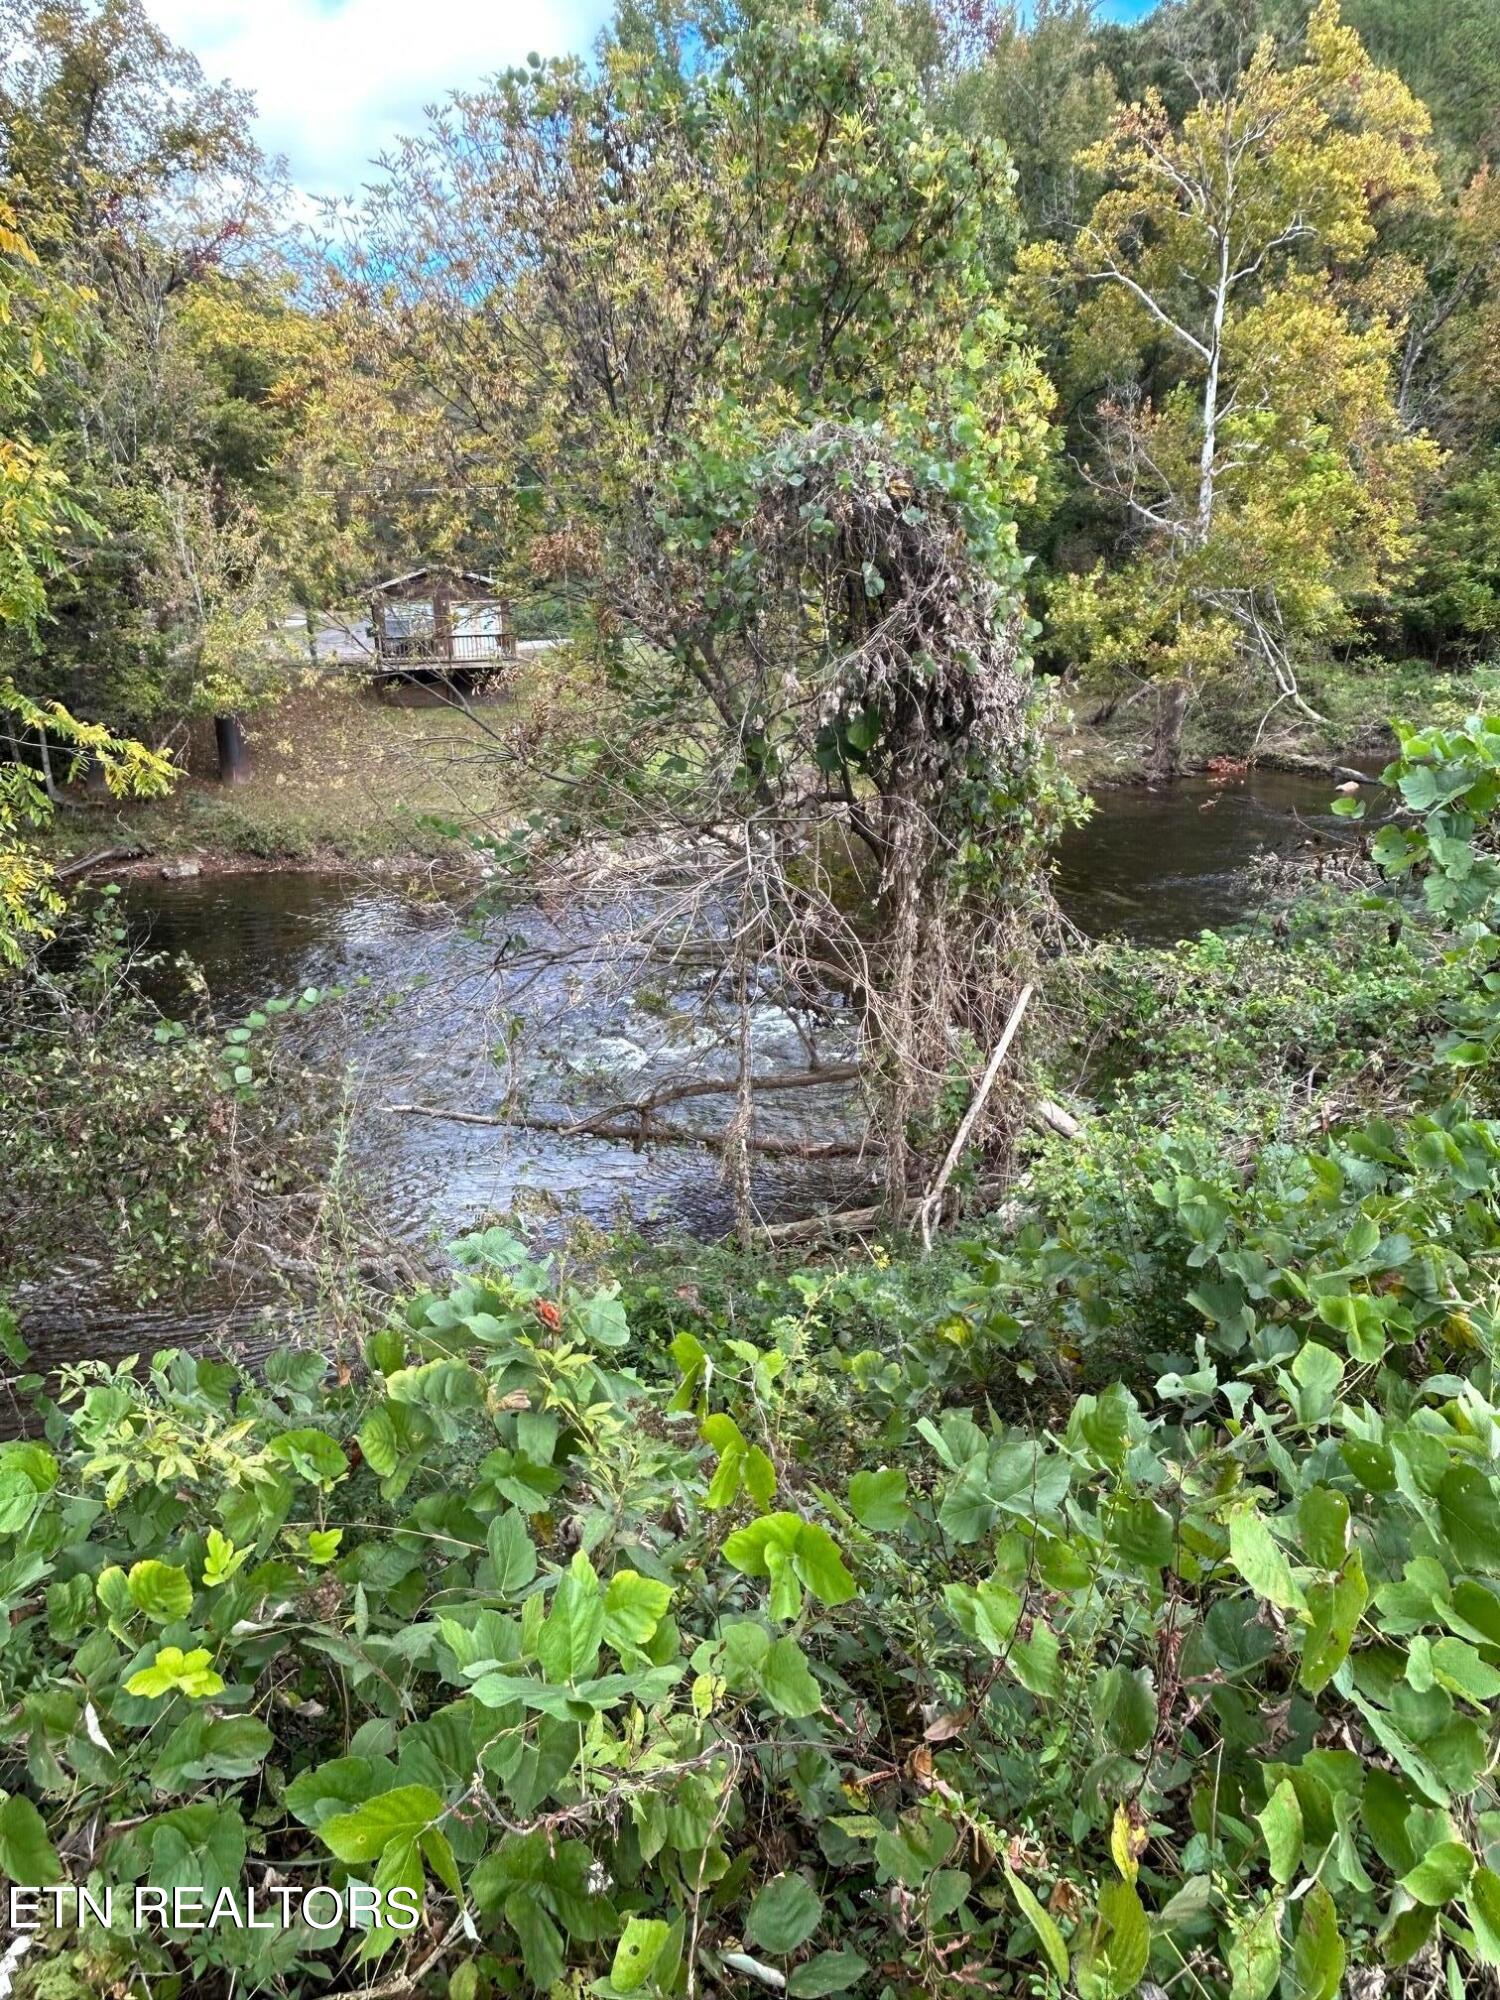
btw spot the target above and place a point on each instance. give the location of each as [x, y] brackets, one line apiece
[463, 650]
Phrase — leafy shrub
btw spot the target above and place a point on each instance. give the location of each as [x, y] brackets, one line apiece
[763, 1647]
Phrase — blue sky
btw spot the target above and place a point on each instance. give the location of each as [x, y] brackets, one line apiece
[336, 80]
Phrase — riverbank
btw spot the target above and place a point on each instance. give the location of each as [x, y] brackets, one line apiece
[1110, 743]
[340, 776]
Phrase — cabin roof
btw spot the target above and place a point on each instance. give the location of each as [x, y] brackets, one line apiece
[436, 569]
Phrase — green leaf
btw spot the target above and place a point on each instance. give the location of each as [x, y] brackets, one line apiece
[1441, 1873]
[787, 1681]
[601, 1318]
[636, 1954]
[826, 1972]
[511, 1551]
[816, 1559]
[1256, 1555]
[784, 1915]
[759, 1475]
[569, 1644]
[633, 1608]
[27, 1856]
[1334, 1612]
[877, 1500]
[313, 1455]
[1048, 1934]
[161, 1590]
[541, 1940]
[1482, 1907]
[788, 1549]
[1255, 1955]
[1461, 1667]
[1281, 1825]
[404, 1813]
[1323, 1526]
[175, 1669]
[1118, 1948]
[1318, 1954]
[1470, 1517]
[316, 1795]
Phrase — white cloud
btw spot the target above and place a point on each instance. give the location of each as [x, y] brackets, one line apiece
[337, 80]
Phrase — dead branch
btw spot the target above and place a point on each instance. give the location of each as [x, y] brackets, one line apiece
[932, 1201]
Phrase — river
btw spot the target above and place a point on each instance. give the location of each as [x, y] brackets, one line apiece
[422, 1018]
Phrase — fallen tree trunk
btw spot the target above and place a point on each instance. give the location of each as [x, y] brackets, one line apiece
[1045, 1112]
[99, 860]
[633, 1131]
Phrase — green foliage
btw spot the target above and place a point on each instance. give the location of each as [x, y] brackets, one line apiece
[141, 1144]
[1198, 1663]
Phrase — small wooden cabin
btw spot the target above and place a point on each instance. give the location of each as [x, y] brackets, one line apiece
[434, 620]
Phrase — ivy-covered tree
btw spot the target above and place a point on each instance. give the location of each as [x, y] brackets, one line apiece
[649, 303]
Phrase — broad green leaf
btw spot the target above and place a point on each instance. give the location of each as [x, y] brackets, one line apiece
[633, 1608]
[877, 1500]
[1118, 1948]
[313, 1455]
[1318, 1954]
[161, 1590]
[541, 1940]
[1440, 1874]
[1257, 1556]
[784, 1915]
[1323, 1526]
[636, 1954]
[1334, 1611]
[1482, 1907]
[511, 1551]
[403, 1813]
[1460, 1667]
[1281, 1825]
[787, 1681]
[27, 1856]
[826, 1972]
[1470, 1516]
[1254, 1957]
[569, 1644]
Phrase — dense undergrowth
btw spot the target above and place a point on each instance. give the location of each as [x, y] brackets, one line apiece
[145, 1151]
[1109, 1601]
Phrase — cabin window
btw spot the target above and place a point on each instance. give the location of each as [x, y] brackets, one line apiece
[411, 619]
[476, 620]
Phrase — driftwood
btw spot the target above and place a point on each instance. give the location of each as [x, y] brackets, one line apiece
[931, 1202]
[635, 1131]
[1045, 1112]
[836, 1222]
[99, 860]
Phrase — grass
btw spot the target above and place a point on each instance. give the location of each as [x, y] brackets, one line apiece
[339, 773]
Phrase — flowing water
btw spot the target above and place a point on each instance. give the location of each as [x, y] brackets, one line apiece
[429, 1016]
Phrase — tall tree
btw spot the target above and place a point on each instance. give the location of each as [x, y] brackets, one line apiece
[1226, 300]
[40, 320]
[139, 185]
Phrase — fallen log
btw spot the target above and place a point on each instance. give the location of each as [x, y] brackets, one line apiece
[1045, 1112]
[99, 860]
[632, 1132]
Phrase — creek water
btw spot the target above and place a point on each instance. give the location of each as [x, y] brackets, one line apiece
[433, 1011]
